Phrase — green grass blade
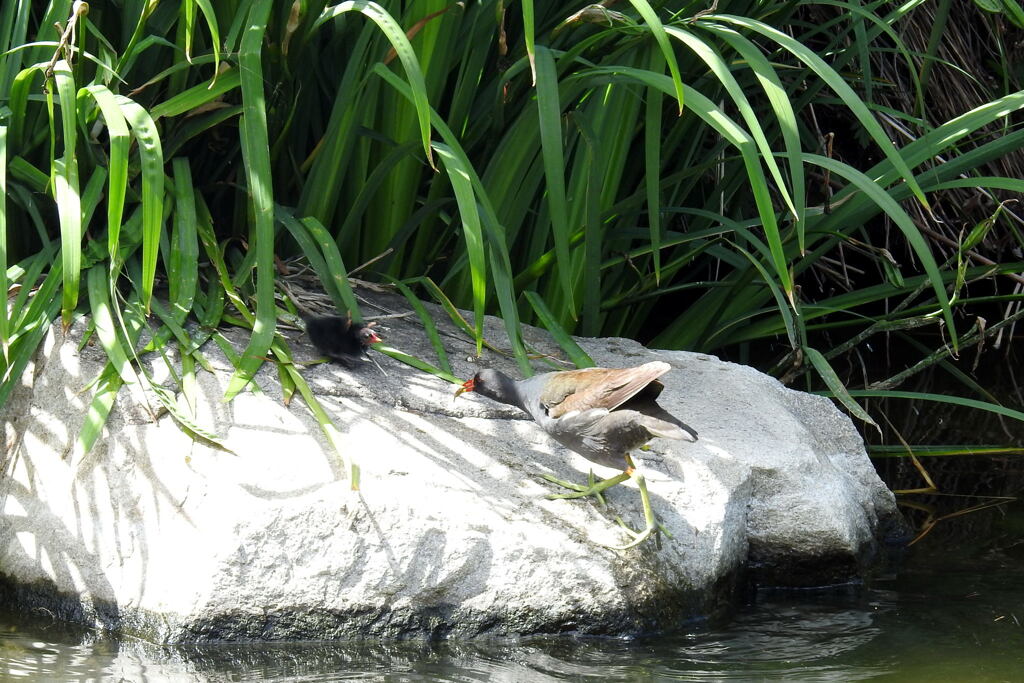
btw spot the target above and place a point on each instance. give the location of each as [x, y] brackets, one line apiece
[151, 159]
[3, 245]
[239, 22]
[117, 182]
[211, 23]
[836, 386]
[738, 137]
[652, 165]
[300, 233]
[334, 436]
[941, 398]
[188, 346]
[593, 232]
[185, 421]
[396, 36]
[32, 326]
[338, 274]
[549, 111]
[528, 37]
[900, 451]
[782, 108]
[659, 33]
[99, 285]
[462, 185]
[412, 361]
[447, 305]
[577, 355]
[66, 191]
[428, 323]
[183, 277]
[721, 70]
[198, 95]
[107, 386]
[906, 224]
[14, 22]
[501, 267]
[186, 25]
[838, 84]
[256, 153]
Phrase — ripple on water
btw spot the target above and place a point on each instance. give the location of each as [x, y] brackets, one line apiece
[943, 619]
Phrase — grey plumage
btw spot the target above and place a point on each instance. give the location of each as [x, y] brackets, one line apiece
[600, 413]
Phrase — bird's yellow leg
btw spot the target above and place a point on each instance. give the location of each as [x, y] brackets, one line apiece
[652, 525]
[594, 489]
[662, 529]
[649, 518]
[591, 480]
[577, 487]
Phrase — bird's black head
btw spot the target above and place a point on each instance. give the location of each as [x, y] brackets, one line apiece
[493, 384]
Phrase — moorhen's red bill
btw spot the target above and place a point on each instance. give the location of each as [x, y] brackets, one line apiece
[600, 413]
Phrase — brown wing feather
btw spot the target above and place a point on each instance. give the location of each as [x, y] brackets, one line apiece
[606, 388]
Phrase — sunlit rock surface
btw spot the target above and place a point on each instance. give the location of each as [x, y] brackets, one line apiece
[158, 535]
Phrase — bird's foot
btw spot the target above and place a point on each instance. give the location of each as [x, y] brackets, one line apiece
[593, 488]
[653, 526]
[638, 538]
[662, 529]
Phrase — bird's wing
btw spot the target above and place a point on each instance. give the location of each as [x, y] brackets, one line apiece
[581, 432]
[598, 388]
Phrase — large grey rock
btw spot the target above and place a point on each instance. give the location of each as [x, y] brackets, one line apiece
[158, 535]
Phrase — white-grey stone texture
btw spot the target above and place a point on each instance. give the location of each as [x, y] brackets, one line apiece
[450, 535]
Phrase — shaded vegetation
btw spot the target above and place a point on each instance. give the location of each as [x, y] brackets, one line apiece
[825, 189]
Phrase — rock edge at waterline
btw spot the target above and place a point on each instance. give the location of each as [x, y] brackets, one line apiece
[159, 536]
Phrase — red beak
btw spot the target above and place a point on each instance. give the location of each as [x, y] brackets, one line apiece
[466, 386]
[373, 338]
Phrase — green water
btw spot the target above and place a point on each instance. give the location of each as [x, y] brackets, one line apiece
[954, 612]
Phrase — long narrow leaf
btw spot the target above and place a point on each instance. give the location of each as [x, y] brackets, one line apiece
[578, 356]
[903, 221]
[256, 153]
[151, 158]
[659, 33]
[117, 131]
[941, 398]
[841, 88]
[458, 174]
[396, 36]
[501, 267]
[338, 274]
[3, 245]
[428, 324]
[184, 258]
[99, 302]
[549, 111]
[722, 72]
[66, 191]
[836, 385]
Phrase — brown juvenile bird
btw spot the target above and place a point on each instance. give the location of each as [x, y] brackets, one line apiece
[339, 338]
[600, 413]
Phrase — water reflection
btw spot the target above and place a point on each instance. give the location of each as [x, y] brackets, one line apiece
[780, 640]
[954, 614]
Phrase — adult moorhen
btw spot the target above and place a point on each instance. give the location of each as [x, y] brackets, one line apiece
[600, 413]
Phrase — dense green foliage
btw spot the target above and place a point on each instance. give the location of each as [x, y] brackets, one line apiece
[643, 169]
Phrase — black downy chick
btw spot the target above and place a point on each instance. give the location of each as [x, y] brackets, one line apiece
[339, 338]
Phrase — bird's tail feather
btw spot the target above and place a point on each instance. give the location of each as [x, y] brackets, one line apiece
[668, 430]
